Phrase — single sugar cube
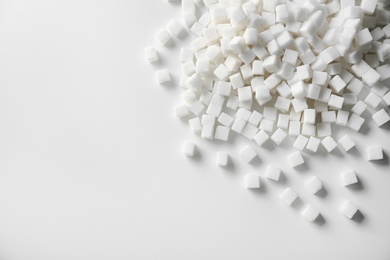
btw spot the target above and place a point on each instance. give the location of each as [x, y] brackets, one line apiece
[381, 117]
[252, 181]
[273, 173]
[349, 177]
[314, 185]
[261, 137]
[151, 54]
[348, 209]
[346, 142]
[329, 144]
[300, 142]
[163, 76]
[374, 153]
[288, 196]
[355, 122]
[248, 153]
[189, 148]
[278, 136]
[195, 125]
[310, 213]
[295, 159]
[222, 133]
[163, 37]
[313, 144]
[222, 159]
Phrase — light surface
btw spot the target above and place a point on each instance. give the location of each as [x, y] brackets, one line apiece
[91, 162]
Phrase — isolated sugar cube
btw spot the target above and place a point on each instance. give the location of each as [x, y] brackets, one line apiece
[288, 196]
[310, 213]
[349, 177]
[162, 76]
[346, 142]
[374, 153]
[222, 159]
[248, 153]
[273, 173]
[278, 136]
[329, 144]
[252, 181]
[295, 159]
[189, 148]
[314, 185]
[151, 54]
[381, 117]
[348, 209]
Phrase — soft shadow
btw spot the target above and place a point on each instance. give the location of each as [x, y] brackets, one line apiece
[230, 167]
[197, 155]
[302, 167]
[256, 161]
[337, 152]
[354, 151]
[365, 129]
[356, 186]
[322, 193]
[297, 204]
[282, 179]
[358, 217]
[260, 190]
[320, 220]
[269, 145]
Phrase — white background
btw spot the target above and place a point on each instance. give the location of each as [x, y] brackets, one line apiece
[91, 164]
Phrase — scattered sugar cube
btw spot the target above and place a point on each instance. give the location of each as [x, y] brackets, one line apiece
[313, 144]
[381, 117]
[346, 142]
[342, 118]
[288, 196]
[163, 37]
[151, 54]
[222, 159]
[267, 125]
[300, 142]
[314, 185]
[222, 133]
[278, 136]
[273, 173]
[355, 122]
[248, 153]
[329, 144]
[261, 137]
[348, 209]
[189, 148]
[310, 213]
[252, 181]
[374, 153]
[295, 159]
[349, 177]
[249, 131]
[195, 125]
[163, 76]
[225, 120]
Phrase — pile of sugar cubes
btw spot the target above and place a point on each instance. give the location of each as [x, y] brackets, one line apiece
[271, 69]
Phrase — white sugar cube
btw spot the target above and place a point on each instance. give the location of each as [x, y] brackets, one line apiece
[249, 131]
[337, 84]
[309, 130]
[252, 181]
[222, 159]
[324, 129]
[369, 6]
[294, 128]
[335, 102]
[346, 142]
[267, 125]
[151, 54]
[348, 209]
[222, 133]
[300, 142]
[314, 185]
[255, 118]
[359, 108]
[278, 136]
[313, 144]
[163, 37]
[181, 111]
[381, 117]
[288, 196]
[374, 153]
[163, 76]
[283, 121]
[273, 173]
[248, 153]
[283, 104]
[349, 177]
[355, 122]
[225, 119]
[329, 144]
[310, 213]
[189, 148]
[195, 125]
[328, 117]
[342, 118]
[295, 159]
[270, 113]
[238, 125]
[175, 28]
[309, 116]
[372, 100]
[261, 137]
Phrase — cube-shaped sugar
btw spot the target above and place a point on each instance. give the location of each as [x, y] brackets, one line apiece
[288, 196]
[355, 122]
[222, 159]
[314, 185]
[273, 173]
[348, 209]
[195, 125]
[335, 102]
[151, 54]
[248, 153]
[300, 142]
[349, 177]
[313, 144]
[267, 125]
[324, 129]
[342, 118]
[329, 144]
[252, 181]
[310, 213]
[283, 121]
[309, 130]
[255, 118]
[278, 136]
[163, 37]
[222, 133]
[346, 142]
[238, 125]
[249, 131]
[189, 148]
[162, 76]
[328, 117]
[372, 100]
[381, 117]
[225, 119]
[261, 137]
[295, 159]
[309, 116]
[374, 153]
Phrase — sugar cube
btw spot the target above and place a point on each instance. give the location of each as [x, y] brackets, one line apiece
[222, 159]
[310, 213]
[252, 181]
[288, 196]
[314, 185]
[300, 142]
[349, 209]
[261, 137]
[346, 142]
[349, 177]
[189, 148]
[273, 173]
[162, 76]
[374, 153]
[295, 159]
[248, 153]
[329, 144]
[278, 136]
